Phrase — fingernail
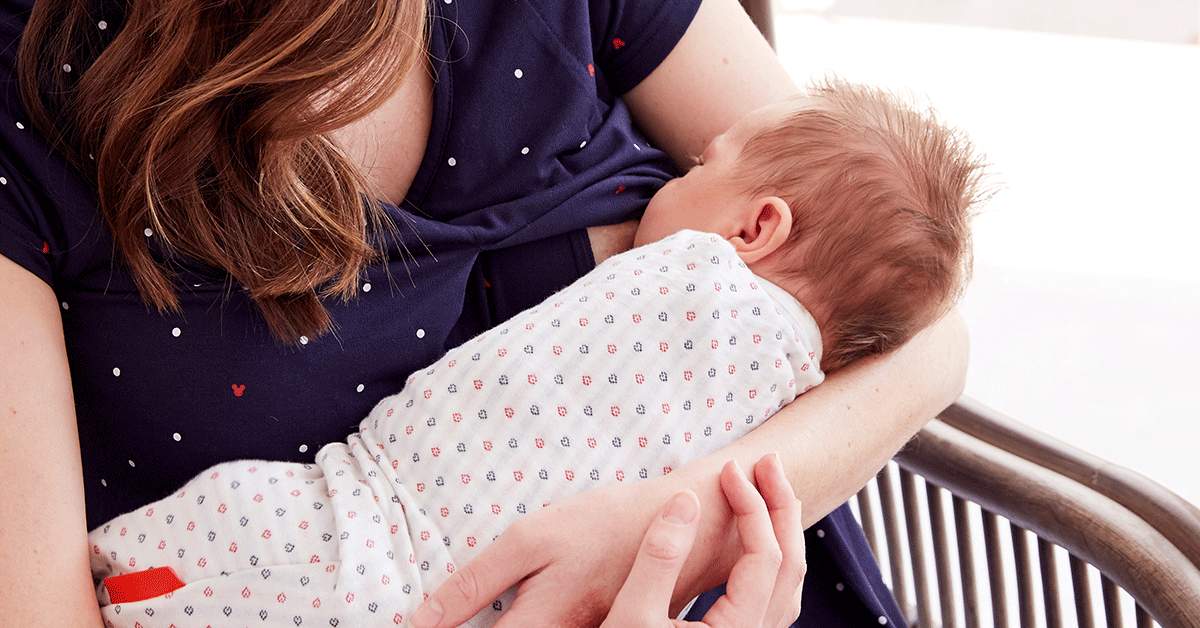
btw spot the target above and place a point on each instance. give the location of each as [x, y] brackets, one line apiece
[428, 615]
[681, 509]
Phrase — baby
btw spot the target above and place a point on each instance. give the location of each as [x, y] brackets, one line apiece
[845, 200]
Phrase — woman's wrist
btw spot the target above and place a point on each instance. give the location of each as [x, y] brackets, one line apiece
[716, 548]
[765, 584]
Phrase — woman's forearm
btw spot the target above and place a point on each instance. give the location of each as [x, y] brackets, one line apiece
[834, 438]
[571, 557]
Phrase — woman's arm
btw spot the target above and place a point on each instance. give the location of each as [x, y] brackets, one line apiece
[837, 436]
[719, 71]
[45, 579]
[571, 558]
[834, 438]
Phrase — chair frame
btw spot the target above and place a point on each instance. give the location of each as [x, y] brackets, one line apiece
[762, 13]
[1142, 538]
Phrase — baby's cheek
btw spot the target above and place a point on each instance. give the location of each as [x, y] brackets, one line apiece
[649, 227]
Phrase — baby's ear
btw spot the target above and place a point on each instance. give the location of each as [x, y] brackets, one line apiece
[766, 227]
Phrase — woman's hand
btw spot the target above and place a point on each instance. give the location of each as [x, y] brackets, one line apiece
[572, 558]
[764, 587]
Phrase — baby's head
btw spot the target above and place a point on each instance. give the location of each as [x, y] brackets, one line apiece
[847, 196]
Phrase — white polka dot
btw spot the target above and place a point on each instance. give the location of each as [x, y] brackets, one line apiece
[102, 25]
[303, 448]
[4, 181]
[420, 333]
[149, 232]
[175, 332]
[882, 620]
[92, 157]
[103, 482]
[177, 437]
[820, 534]
[525, 151]
[66, 306]
[303, 340]
[361, 388]
[116, 372]
[518, 73]
[583, 143]
[20, 126]
[366, 287]
[131, 464]
[637, 147]
[448, 1]
[840, 587]
[452, 161]
[66, 67]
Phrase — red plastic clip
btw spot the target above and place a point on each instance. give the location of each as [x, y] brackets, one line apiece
[142, 585]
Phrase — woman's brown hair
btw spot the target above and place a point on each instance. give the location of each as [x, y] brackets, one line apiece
[203, 121]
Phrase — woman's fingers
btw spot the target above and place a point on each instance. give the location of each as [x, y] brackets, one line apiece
[475, 584]
[764, 586]
[749, 590]
[788, 524]
[645, 598]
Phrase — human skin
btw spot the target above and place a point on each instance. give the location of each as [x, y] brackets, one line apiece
[713, 198]
[768, 522]
[831, 441]
[708, 197]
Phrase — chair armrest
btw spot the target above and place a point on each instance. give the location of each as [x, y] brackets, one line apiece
[1118, 541]
[1171, 515]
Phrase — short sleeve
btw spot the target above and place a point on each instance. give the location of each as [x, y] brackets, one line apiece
[632, 37]
[20, 231]
[47, 214]
[25, 231]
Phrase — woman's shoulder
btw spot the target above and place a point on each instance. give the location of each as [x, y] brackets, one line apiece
[620, 41]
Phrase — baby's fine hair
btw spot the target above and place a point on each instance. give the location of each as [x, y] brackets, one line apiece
[882, 194]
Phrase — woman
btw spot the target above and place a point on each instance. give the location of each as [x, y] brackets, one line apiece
[506, 165]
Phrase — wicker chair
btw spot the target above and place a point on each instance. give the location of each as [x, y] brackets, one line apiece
[955, 518]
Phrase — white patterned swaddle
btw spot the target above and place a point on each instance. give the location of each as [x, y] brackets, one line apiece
[658, 356]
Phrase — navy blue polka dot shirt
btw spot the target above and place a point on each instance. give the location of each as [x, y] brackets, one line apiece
[529, 145]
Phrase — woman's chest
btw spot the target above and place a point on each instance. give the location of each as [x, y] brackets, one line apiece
[389, 144]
